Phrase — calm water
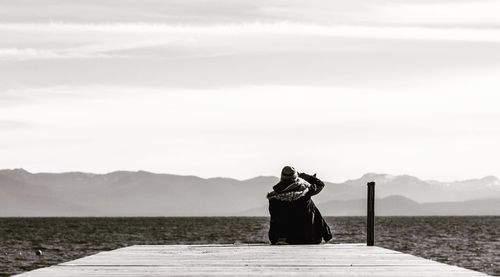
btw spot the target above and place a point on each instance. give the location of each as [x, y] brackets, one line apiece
[471, 242]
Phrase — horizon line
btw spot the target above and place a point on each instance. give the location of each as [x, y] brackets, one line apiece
[241, 180]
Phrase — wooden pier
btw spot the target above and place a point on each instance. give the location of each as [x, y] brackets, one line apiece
[254, 260]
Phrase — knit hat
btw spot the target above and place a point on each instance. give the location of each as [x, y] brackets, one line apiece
[289, 174]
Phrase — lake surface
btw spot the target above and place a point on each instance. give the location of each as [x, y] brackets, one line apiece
[470, 242]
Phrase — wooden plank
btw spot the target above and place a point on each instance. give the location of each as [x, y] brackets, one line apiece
[252, 260]
[248, 271]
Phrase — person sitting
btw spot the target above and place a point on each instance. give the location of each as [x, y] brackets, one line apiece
[294, 217]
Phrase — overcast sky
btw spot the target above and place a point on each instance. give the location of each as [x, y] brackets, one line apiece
[240, 88]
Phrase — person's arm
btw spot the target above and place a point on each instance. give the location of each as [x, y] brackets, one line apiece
[316, 184]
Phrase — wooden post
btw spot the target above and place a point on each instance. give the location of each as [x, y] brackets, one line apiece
[370, 221]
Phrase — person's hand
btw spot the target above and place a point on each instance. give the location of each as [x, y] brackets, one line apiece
[305, 175]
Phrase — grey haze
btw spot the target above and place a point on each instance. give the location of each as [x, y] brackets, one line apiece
[141, 193]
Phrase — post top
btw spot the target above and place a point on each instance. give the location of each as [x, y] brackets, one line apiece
[371, 183]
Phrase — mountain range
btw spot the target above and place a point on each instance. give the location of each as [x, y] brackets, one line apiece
[141, 193]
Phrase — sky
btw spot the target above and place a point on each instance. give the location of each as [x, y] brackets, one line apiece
[241, 88]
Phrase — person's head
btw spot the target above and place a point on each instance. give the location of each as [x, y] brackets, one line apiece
[289, 173]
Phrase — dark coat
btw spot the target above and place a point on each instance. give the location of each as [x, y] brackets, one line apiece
[298, 221]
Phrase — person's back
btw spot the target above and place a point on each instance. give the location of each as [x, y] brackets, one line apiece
[294, 217]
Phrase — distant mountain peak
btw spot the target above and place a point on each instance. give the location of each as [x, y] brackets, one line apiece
[373, 175]
[122, 193]
[490, 178]
[408, 177]
[270, 179]
[16, 173]
[491, 181]
[16, 170]
[382, 177]
[395, 197]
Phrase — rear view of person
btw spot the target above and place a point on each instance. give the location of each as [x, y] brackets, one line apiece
[294, 217]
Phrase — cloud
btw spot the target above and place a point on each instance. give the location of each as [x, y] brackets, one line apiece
[347, 12]
[263, 29]
[35, 54]
[102, 128]
[8, 125]
[482, 13]
[342, 83]
[139, 39]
